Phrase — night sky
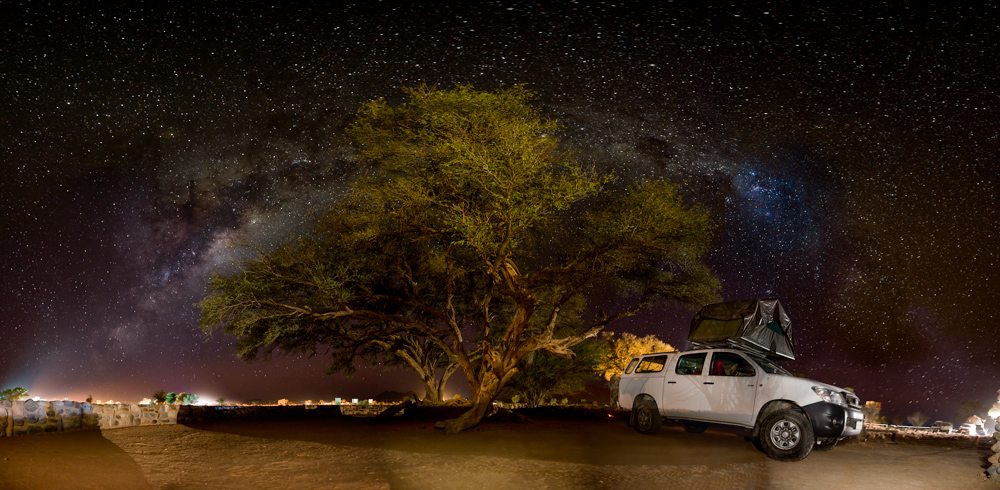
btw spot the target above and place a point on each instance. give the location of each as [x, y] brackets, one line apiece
[849, 156]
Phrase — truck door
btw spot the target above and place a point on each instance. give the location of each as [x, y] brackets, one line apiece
[731, 387]
[683, 390]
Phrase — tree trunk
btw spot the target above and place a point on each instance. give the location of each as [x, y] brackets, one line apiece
[613, 384]
[432, 391]
[482, 403]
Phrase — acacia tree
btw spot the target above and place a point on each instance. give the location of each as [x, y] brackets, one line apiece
[621, 350]
[917, 419]
[13, 394]
[472, 232]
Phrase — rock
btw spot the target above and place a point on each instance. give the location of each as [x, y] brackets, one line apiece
[30, 405]
[31, 418]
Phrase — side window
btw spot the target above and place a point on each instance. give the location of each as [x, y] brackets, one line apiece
[631, 365]
[651, 364]
[690, 364]
[729, 364]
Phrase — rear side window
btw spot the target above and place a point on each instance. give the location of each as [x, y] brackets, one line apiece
[631, 365]
[690, 364]
[651, 364]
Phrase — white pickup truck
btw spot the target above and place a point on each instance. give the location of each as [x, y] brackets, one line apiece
[732, 379]
[788, 416]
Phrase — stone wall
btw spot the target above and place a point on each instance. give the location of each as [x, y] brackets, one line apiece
[30, 417]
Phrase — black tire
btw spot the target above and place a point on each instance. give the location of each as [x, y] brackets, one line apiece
[825, 445]
[646, 417]
[695, 427]
[787, 435]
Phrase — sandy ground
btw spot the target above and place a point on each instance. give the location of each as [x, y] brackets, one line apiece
[348, 453]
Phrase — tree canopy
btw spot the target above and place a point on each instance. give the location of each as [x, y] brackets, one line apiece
[470, 237]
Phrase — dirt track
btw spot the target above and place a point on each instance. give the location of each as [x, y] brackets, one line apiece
[547, 454]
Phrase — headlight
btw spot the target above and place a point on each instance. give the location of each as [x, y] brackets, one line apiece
[828, 395]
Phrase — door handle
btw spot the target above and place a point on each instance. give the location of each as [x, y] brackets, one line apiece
[671, 382]
[709, 383]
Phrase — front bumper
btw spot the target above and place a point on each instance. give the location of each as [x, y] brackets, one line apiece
[830, 420]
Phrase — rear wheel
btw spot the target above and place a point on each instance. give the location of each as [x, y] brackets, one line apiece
[646, 417]
[786, 435]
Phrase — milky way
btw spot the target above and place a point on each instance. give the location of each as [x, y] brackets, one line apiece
[849, 157]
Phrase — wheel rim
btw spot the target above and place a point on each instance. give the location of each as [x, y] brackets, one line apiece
[643, 419]
[785, 434]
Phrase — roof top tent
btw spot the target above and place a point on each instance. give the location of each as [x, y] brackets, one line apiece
[757, 325]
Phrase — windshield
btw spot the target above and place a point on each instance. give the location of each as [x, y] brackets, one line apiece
[770, 367]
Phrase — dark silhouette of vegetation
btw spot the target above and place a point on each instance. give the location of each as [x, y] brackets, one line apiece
[469, 237]
[542, 374]
[969, 408]
[918, 419]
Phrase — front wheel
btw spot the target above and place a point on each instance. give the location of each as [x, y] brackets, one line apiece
[646, 416]
[786, 435]
[824, 444]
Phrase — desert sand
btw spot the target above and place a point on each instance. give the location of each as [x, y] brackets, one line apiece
[544, 453]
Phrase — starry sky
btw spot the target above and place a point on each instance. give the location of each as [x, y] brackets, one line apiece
[848, 154]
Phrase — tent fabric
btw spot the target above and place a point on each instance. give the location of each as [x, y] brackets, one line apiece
[758, 325]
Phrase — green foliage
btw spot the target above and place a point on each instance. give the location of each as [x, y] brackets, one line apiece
[160, 397]
[170, 398]
[542, 374]
[90, 398]
[183, 398]
[472, 241]
[220, 400]
[13, 394]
